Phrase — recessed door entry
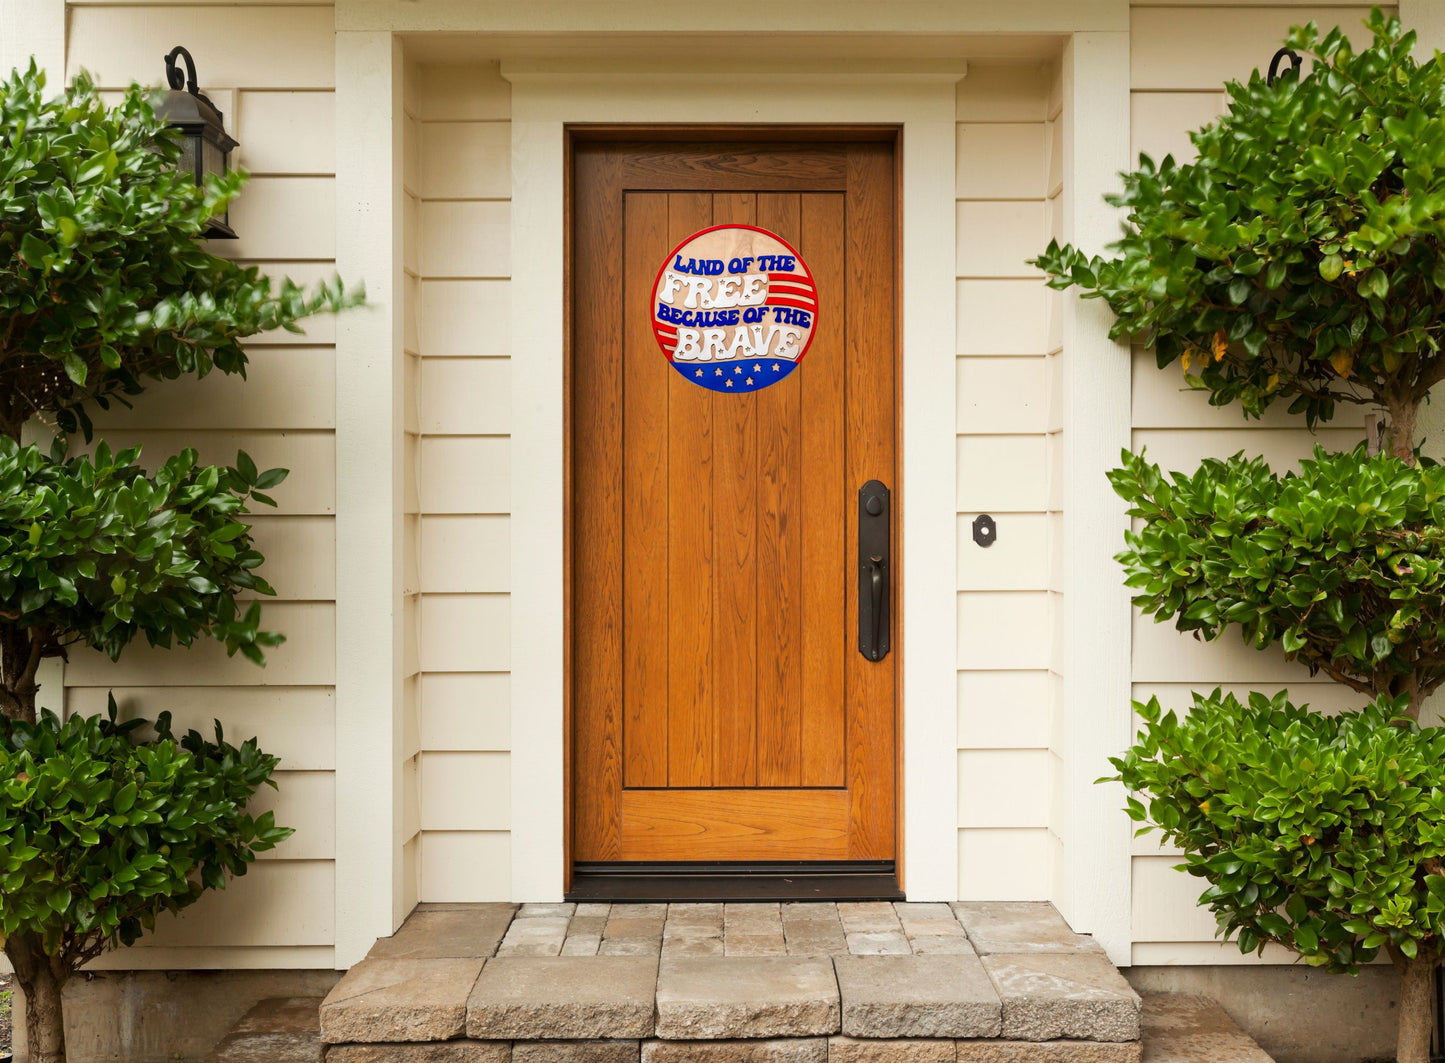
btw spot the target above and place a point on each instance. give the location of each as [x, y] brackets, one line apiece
[730, 702]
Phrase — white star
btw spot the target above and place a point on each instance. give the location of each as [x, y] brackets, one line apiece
[699, 372]
[737, 370]
[775, 367]
[750, 380]
[730, 383]
[757, 368]
[717, 372]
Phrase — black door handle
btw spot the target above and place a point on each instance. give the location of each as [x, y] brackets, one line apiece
[874, 543]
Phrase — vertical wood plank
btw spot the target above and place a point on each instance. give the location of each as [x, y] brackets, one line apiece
[735, 526]
[690, 562]
[870, 448]
[644, 383]
[597, 500]
[780, 518]
[826, 499]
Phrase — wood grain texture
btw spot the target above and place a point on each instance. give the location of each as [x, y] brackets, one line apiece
[826, 637]
[751, 824]
[870, 349]
[735, 531]
[727, 167]
[690, 545]
[645, 382]
[722, 711]
[780, 518]
[597, 501]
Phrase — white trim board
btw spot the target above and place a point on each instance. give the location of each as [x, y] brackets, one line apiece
[923, 104]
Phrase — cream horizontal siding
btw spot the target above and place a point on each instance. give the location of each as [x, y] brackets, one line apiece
[412, 401]
[1004, 406]
[461, 151]
[271, 73]
[1176, 89]
[1053, 544]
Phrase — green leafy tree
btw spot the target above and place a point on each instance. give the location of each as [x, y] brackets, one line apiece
[1300, 257]
[104, 290]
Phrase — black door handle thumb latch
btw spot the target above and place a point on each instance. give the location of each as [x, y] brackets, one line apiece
[874, 582]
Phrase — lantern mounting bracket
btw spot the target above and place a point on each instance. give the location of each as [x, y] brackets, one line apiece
[187, 81]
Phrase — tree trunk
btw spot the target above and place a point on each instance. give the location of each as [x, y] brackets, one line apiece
[38, 980]
[1417, 1009]
[1400, 429]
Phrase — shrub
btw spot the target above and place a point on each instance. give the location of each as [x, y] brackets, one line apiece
[1302, 255]
[1342, 563]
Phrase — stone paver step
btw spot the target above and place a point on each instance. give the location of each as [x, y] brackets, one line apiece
[551, 976]
[1180, 1028]
[281, 1030]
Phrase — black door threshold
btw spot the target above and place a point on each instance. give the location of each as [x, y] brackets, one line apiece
[636, 883]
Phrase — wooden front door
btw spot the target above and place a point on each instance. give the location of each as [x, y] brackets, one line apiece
[721, 708]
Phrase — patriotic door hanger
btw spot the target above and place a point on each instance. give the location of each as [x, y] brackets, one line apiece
[734, 308]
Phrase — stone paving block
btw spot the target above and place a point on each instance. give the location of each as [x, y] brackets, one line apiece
[692, 945]
[721, 997]
[587, 924]
[851, 1050]
[809, 911]
[581, 945]
[628, 936]
[592, 911]
[436, 1052]
[641, 911]
[924, 910]
[534, 936]
[571, 997]
[1048, 1052]
[400, 1000]
[868, 917]
[559, 910]
[1180, 1028]
[745, 944]
[941, 946]
[1077, 995]
[916, 996]
[791, 1050]
[1019, 926]
[575, 1052]
[453, 934]
[704, 913]
[282, 1015]
[879, 943]
[269, 1048]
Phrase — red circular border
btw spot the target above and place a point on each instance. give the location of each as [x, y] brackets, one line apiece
[817, 296]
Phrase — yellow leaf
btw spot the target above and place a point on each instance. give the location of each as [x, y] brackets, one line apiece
[1221, 344]
[1185, 360]
[1273, 383]
[1343, 362]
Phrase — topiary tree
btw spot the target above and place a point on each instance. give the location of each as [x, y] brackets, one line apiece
[1300, 257]
[104, 289]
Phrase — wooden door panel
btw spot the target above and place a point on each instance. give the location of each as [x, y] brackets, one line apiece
[870, 690]
[735, 572]
[826, 570]
[721, 710]
[749, 824]
[691, 586]
[645, 459]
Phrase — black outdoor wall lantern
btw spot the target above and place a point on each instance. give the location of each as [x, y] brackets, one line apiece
[206, 147]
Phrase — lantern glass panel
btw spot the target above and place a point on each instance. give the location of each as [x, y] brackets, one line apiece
[213, 159]
[189, 143]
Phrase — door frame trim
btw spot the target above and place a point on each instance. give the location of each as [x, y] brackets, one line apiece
[922, 106]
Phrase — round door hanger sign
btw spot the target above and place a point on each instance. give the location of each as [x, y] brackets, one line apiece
[734, 308]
